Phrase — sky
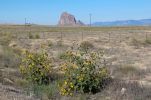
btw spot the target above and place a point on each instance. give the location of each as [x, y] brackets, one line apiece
[47, 12]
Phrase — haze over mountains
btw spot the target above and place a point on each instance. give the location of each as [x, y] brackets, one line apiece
[142, 22]
[67, 19]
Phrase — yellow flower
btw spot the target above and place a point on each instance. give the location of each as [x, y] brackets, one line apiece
[24, 51]
[78, 54]
[32, 64]
[23, 60]
[65, 83]
[42, 74]
[69, 89]
[75, 66]
[81, 78]
[30, 56]
[69, 52]
[36, 79]
[71, 85]
[89, 62]
[86, 63]
[22, 69]
[63, 94]
[71, 94]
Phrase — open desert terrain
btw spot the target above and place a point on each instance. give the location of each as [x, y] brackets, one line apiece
[127, 56]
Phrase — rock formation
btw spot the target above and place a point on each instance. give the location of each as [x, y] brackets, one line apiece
[67, 19]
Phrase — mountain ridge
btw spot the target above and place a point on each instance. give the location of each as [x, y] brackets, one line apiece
[141, 22]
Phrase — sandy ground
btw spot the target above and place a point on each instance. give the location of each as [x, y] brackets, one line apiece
[118, 46]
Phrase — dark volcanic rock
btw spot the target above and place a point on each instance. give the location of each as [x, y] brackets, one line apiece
[67, 19]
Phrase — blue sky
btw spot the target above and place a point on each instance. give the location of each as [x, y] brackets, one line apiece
[48, 11]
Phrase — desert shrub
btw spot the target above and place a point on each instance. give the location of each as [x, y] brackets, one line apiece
[5, 39]
[31, 36]
[134, 90]
[36, 67]
[129, 71]
[138, 43]
[83, 72]
[50, 44]
[59, 43]
[8, 57]
[86, 45]
[21, 82]
[148, 41]
[37, 36]
[45, 92]
[1, 76]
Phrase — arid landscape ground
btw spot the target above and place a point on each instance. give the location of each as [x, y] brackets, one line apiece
[127, 54]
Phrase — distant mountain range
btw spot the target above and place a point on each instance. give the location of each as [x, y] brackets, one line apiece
[142, 22]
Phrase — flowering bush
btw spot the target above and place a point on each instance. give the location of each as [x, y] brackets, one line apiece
[85, 46]
[35, 67]
[83, 72]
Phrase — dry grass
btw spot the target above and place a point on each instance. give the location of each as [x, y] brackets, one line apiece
[125, 61]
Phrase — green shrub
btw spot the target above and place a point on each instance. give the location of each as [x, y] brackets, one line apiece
[37, 36]
[36, 67]
[9, 57]
[4, 41]
[127, 69]
[50, 44]
[59, 43]
[86, 45]
[148, 41]
[129, 72]
[45, 91]
[31, 36]
[138, 43]
[83, 73]
[21, 82]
